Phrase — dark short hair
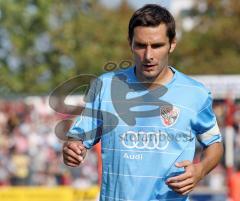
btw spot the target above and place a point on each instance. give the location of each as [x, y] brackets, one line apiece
[152, 15]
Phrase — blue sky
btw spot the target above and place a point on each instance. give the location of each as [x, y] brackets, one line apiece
[135, 3]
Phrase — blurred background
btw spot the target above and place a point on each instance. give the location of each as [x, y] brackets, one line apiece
[46, 42]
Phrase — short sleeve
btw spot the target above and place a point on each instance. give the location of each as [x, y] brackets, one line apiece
[205, 124]
[88, 125]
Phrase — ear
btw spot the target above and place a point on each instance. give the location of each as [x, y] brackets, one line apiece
[173, 45]
[130, 44]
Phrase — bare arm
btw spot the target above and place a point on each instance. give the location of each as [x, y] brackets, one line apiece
[211, 157]
[185, 183]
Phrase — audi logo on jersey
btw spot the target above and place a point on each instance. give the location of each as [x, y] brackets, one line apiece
[145, 140]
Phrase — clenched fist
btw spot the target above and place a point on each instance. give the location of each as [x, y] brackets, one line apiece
[74, 153]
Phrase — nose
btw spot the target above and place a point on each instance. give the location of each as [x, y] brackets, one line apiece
[149, 53]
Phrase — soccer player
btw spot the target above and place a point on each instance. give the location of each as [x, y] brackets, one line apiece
[147, 117]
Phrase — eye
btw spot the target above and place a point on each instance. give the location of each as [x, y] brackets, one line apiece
[156, 46]
[139, 45]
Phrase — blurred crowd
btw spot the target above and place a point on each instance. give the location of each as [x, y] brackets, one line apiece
[227, 113]
[30, 151]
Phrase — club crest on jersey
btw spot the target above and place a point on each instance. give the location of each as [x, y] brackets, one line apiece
[169, 115]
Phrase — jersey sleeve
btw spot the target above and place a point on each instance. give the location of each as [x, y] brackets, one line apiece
[88, 125]
[205, 124]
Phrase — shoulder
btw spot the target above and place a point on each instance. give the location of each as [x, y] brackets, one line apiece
[191, 84]
[109, 76]
[114, 80]
[193, 89]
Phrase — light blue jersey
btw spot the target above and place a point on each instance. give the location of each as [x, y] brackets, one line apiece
[144, 133]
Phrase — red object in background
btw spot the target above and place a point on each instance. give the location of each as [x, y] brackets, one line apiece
[235, 186]
[97, 149]
[229, 120]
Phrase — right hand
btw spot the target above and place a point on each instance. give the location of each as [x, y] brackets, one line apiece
[74, 153]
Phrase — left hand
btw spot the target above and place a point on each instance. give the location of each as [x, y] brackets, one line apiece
[185, 183]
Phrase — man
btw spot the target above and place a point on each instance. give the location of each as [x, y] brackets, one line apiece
[147, 118]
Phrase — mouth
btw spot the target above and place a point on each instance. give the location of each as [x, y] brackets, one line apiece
[149, 66]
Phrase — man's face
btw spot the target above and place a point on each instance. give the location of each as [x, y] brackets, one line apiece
[151, 48]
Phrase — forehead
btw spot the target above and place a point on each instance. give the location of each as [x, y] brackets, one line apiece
[150, 34]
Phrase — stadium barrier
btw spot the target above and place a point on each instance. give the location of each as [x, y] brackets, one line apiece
[48, 194]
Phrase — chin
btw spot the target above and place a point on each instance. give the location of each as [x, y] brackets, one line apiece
[150, 75]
